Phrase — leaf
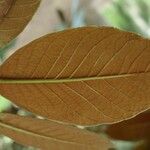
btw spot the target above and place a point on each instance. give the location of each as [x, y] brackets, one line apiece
[137, 128]
[47, 135]
[83, 76]
[144, 145]
[4, 8]
[14, 16]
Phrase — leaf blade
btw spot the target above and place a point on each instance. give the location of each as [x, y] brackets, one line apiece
[47, 134]
[14, 16]
[78, 67]
[131, 130]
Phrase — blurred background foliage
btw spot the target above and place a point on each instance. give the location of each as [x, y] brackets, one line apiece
[130, 15]
[54, 15]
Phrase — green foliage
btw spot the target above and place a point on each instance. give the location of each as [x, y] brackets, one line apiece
[129, 15]
[4, 104]
[6, 48]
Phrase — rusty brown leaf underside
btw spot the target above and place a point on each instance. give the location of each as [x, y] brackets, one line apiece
[4, 7]
[83, 76]
[47, 135]
[14, 16]
[137, 128]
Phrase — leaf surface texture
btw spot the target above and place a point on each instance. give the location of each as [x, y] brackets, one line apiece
[47, 135]
[137, 128]
[14, 16]
[83, 76]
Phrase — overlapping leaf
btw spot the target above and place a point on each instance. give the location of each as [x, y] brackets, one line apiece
[14, 16]
[83, 76]
[4, 7]
[48, 135]
[137, 128]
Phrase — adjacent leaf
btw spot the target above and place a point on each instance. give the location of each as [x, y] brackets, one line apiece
[48, 135]
[4, 7]
[83, 76]
[137, 128]
[14, 16]
[144, 145]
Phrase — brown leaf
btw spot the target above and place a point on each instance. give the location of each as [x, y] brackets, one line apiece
[14, 16]
[4, 7]
[82, 76]
[144, 145]
[50, 135]
[137, 128]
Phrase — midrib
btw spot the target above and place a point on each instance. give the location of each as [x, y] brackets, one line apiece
[67, 80]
